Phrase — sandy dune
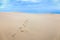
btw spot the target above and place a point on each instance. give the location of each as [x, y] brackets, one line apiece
[20, 26]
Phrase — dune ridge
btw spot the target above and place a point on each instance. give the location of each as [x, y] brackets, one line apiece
[23, 26]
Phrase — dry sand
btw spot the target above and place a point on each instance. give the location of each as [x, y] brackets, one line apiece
[22, 26]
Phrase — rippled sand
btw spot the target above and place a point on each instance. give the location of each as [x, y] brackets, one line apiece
[23, 26]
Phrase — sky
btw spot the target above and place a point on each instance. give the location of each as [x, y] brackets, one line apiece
[30, 6]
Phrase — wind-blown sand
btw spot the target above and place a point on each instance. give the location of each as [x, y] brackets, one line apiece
[22, 26]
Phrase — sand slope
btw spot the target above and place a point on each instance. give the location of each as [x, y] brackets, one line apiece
[20, 26]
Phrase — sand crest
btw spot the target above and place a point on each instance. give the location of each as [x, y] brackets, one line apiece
[23, 26]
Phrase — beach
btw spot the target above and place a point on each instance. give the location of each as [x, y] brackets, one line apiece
[24, 26]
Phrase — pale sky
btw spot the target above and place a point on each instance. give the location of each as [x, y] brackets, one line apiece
[44, 5]
[30, 0]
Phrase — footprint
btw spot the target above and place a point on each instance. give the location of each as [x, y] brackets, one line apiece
[22, 30]
[14, 35]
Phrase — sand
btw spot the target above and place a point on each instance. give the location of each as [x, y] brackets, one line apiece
[23, 26]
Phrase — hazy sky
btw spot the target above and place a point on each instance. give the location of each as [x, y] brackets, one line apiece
[30, 5]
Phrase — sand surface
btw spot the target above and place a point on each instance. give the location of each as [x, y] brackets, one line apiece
[22, 26]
